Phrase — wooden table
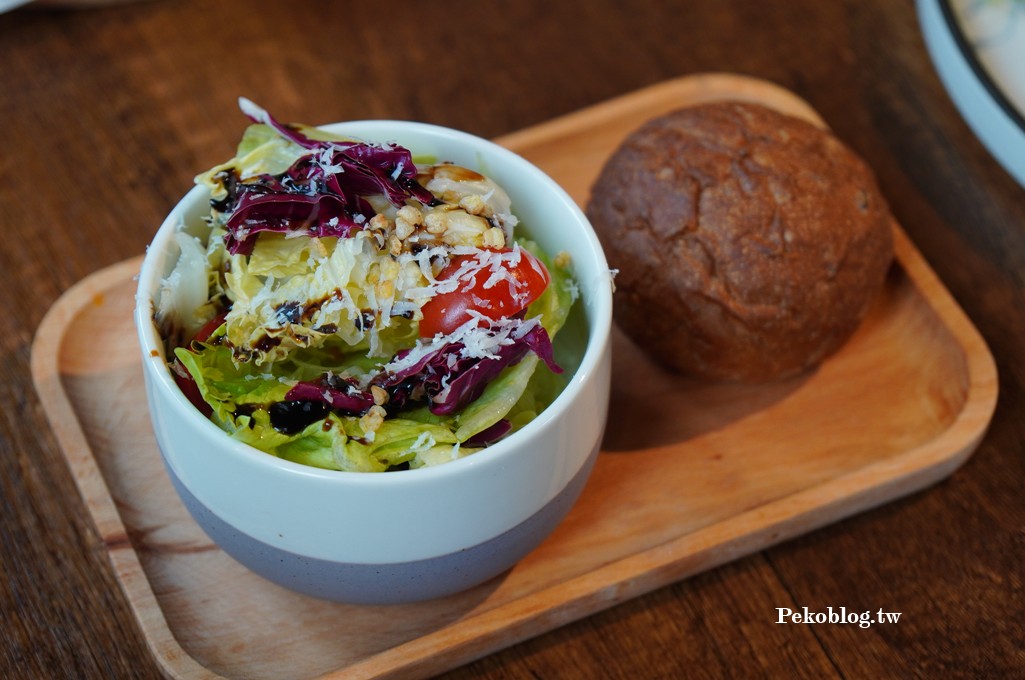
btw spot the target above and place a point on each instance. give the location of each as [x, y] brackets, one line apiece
[107, 113]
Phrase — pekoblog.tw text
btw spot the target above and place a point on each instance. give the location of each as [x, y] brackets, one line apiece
[864, 619]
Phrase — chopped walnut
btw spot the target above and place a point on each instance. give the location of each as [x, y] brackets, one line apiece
[563, 259]
[373, 418]
[494, 238]
[379, 222]
[379, 394]
[475, 205]
[395, 245]
[410, 214]
[403, 228]
[436, 223]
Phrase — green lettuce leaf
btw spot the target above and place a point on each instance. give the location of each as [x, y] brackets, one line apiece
[226, 385]
[241, 394]
[522, 390]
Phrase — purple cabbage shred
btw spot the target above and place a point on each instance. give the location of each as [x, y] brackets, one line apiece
[341, 394]
[489, 435]
[449, 381]
[444, 378]
[322, 193]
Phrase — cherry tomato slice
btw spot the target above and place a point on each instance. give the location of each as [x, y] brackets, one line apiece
[190, 389]
[209, 327]
[184, 379]
[495, 283]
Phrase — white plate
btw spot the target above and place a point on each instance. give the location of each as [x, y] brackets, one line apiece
[978, 47]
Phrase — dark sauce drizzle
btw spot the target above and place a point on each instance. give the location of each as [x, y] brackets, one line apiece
[292, 417]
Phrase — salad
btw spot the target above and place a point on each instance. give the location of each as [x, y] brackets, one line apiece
[347, 306]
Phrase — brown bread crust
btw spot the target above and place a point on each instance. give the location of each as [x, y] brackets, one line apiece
[749, 243]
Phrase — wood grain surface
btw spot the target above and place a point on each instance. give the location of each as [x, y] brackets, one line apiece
[717, 472]
[107, 114]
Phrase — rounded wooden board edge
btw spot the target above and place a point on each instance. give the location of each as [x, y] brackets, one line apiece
[698, 88]
[780, 520]
[963, 435]
[694, 89]
[624, 579]
[173, 660]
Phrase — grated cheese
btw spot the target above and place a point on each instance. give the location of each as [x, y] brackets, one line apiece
[340, 283]
[423, 443]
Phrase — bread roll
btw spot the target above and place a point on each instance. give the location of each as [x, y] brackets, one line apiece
[749, 243]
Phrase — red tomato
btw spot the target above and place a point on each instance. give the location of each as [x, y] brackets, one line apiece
[512, 288]
[209, 327]
[189, 388]
[182, 376]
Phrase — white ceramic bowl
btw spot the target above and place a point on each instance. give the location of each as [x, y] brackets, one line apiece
[407, 535]
[978, 49]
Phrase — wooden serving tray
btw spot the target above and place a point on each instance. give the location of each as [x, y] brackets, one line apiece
[691, 475]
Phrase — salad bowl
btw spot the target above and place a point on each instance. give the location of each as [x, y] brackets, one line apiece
[405, 535]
